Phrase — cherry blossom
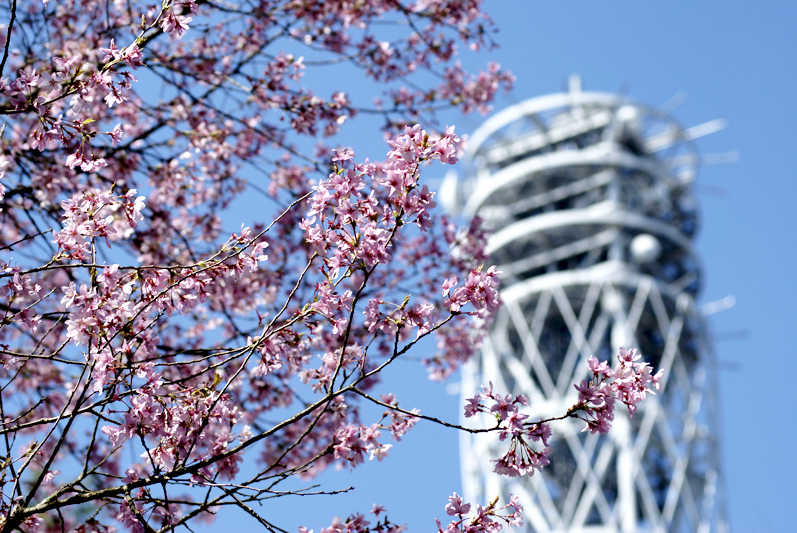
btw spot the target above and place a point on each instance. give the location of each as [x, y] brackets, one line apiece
[156, 337]
[629, 383]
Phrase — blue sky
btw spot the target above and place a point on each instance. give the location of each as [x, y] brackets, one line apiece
[736, 60]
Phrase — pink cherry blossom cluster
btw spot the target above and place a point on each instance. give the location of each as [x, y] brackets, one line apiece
[17, 285]
[475, 93]
[339, 202]
[472, 93]
[132, 515]
[484, 519]
[107, 308]
[173, 19]
[352, 442]
[400, 422]
[185, 424]
[480, 290]
[357, 523]
[520, 459]
[95, 214]
[489, 518]
[630, 382]
[130, 55]
[20, 289]
[352, 224]
[84, 76]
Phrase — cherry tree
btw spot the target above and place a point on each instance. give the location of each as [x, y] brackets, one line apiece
[145, 352]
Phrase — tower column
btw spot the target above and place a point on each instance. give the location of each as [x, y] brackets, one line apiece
[589, 199]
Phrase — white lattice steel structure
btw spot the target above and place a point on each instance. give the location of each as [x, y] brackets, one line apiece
[590, 201]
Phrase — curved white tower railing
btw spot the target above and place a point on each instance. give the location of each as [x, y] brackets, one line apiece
[590, 202]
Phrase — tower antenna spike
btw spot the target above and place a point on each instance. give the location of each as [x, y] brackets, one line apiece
[675, 101]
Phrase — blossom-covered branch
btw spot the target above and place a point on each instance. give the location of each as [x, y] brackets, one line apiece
[155, 332]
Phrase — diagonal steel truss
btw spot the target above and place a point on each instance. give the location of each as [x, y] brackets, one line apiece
[589, 198]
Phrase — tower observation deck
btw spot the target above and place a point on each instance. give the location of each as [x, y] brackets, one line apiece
[589, 199]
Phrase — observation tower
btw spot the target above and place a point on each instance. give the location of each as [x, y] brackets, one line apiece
[593, 216]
